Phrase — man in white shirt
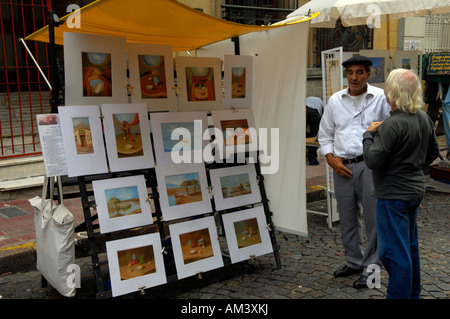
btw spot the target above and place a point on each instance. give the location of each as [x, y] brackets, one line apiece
[346, 117]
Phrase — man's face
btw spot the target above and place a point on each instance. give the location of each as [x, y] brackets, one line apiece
[357, 76]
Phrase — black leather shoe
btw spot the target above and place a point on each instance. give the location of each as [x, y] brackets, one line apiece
[360, 283]
[346, 271]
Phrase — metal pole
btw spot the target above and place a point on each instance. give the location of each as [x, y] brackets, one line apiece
[53, 65]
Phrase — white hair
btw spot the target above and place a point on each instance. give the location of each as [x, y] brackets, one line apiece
[403, 88]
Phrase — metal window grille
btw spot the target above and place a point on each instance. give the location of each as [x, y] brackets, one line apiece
[23, 91]
[437, 33]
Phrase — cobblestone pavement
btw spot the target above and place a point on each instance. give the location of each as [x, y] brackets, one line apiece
[307, 266]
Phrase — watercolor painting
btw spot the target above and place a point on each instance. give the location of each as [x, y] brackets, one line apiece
[247, 232]
[83, 136]
[235, 185]
[238, 82]
[97, 79]
[152, 75]
[128, 134]
[196, 245]
[122, 201]
[136, 262]
[183, 189]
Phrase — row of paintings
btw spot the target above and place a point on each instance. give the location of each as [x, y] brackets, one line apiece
[122, 202]
[138, 262]
[95, 73]
[178, 137]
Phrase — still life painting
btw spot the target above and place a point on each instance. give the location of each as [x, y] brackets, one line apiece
[196, 246]
[135, 263]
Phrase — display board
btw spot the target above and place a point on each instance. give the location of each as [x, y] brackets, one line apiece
[135, 164]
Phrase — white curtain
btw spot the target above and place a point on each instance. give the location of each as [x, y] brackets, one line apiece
[279, 93]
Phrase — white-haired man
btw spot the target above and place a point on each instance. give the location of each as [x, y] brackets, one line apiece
[397, 150]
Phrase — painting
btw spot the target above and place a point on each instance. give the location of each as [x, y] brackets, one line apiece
[151, 76]
[127, 135]
[195, 246]
[238, 81]
[407, 60]
[122, 203]
[247, 234]
[135, 263]
[237, 129]
[199, 81]
[234, 186]
[381, 66]
[179, 137]
[95, 69]
[82, 136]
[183, 190]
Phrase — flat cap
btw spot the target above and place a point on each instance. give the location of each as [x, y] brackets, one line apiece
[358, 60]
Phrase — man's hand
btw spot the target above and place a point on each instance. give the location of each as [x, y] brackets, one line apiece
[373, 127]
[336, 163]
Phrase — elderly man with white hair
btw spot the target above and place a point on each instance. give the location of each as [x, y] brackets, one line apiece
[397, 150]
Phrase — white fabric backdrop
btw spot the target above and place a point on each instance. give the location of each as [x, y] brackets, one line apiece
[279, 93]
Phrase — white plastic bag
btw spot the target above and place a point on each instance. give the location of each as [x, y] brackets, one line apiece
[55, 239]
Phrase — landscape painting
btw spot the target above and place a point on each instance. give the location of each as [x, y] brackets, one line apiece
[235, 131]
[123, 201]
[183, 189]
[235, 185]
[187, 142]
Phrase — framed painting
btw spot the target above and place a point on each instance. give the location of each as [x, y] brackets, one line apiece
[127, 136]
[151, 76]
[195, 246]
[380, 68]
[200, 83]
[237, 130]
[235, 186]
[135, 263]
[95, 69]
[238, 81]
[178, 136]
[183, 190]
[82, 136]
[407, 60]
[247, 234]
[122, 203]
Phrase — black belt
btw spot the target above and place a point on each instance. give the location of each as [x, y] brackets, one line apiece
[354, 160]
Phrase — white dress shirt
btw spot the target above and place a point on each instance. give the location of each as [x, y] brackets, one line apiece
[343, 123]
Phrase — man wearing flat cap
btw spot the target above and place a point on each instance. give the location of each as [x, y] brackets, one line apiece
[346, 117]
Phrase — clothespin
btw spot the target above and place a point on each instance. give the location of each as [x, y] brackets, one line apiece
[129, 88]
[141, 288]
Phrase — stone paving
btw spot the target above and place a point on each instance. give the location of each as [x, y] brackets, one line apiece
[307, 266]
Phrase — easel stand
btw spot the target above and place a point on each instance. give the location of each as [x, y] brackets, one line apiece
[150, 176]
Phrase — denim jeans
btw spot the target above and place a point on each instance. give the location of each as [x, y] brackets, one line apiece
[398, 246]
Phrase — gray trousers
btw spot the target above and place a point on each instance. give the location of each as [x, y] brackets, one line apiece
[352, 194]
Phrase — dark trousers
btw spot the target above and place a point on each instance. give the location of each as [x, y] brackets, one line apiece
[313, 121]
